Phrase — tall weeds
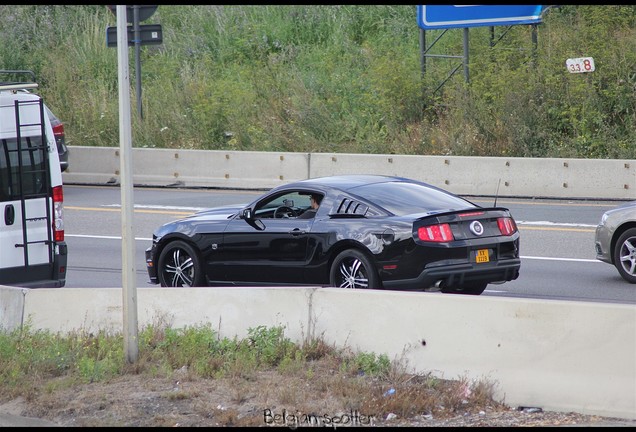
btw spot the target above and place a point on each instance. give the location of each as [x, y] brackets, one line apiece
[337, 78]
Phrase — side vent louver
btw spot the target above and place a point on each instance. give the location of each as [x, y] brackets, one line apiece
[352, 207]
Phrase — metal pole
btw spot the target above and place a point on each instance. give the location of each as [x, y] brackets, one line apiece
[422, 62]
[423, 51]
[129, 291]
[466, 55]
[137, 59]
[492, 44]
[535, 45]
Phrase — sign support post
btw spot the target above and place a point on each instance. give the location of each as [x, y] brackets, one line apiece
[140, 35]
[137, 60]
[444, 17]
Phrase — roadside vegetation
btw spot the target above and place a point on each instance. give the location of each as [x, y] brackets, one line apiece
[39, 366]
[337, 78]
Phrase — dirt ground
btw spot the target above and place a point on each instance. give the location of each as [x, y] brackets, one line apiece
[265, 398]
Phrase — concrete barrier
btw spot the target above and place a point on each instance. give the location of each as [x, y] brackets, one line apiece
[481, 176]
[187, 168]
[520, 177]
[558, 355]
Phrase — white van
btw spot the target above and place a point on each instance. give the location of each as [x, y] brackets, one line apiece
[33, 251]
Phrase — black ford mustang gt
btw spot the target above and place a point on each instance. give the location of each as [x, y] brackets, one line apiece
[370, 231]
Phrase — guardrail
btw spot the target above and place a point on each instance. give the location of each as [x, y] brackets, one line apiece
[609, 179]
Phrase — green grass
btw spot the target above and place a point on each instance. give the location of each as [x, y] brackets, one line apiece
[36, 364]
[337, 78]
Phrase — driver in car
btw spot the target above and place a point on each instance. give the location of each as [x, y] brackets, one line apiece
[314, 201]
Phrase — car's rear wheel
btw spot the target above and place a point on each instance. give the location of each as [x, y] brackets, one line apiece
[180, 266]
[353, 269]
[625, 255]
[471, 289]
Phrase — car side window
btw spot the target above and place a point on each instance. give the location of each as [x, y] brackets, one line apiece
[315, 199]
[274, 206]
[290, 204]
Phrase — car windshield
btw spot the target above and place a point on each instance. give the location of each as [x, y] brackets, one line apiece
[406, 198]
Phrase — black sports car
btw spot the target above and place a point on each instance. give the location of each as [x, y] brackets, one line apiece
[370, 231]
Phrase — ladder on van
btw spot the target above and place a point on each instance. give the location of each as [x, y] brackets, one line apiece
[33, 177]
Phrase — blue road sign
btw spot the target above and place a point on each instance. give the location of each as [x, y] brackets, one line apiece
[431, 17]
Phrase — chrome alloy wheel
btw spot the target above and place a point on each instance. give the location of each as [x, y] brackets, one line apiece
[179, 265]
[352, 274]
[353, 269]
[179, 269]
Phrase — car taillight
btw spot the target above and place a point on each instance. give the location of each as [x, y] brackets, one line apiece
[435, 233]
[507, 226]
[58, 214]
[58, 130]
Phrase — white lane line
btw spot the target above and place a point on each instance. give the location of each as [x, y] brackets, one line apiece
[195, 209]
[159, 207]
[105, 237]
[522, 257]
[560, 259]
[560, 224]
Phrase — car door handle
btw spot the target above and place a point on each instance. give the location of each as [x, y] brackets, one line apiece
[9, 215]
[297, 232]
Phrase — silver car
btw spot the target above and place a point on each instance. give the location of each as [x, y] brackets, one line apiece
[616, 239]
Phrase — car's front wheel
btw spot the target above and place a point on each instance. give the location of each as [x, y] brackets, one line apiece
[625, 255]
[353, 269]
[180, 266]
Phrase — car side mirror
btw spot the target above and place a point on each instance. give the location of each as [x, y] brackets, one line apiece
[248, 215]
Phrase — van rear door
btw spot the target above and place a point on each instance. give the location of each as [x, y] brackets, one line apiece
[28, 251]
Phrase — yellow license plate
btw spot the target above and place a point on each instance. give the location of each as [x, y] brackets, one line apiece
[482, 256]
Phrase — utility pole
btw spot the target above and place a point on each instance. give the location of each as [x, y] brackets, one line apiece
[129, 276]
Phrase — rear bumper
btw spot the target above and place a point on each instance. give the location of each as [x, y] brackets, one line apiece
[453, 275]
[40, 275]
[50, 283]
